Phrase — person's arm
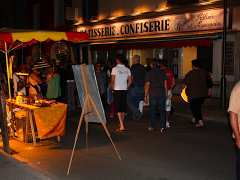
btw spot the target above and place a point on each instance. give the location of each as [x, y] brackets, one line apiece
[173, 82]
[146, 91]
[234, 110]
[235, 127]
[129, 81]
[165, 87]
[185, 81]
[112, 81]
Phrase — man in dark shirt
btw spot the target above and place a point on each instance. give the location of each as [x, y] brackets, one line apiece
[198, 83]
[136, 91]
[155, 94]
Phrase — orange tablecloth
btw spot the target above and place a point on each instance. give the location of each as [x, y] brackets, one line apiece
[51, 121]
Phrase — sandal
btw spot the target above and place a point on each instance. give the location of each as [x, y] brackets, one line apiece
[121, 130]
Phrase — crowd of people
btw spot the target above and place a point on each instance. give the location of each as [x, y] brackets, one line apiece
[127, 90]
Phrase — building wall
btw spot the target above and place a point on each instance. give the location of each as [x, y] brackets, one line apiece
[119, 8]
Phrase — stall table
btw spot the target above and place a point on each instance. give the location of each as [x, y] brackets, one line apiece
[50, 120]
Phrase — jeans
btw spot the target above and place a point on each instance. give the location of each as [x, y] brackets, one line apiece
[196, 107]
[154, 103]
[135, 95]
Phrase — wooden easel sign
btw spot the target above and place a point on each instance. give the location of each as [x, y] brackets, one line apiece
[92, 108]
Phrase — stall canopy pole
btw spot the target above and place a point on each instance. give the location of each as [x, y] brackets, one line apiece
[8, 78]
[224, 41]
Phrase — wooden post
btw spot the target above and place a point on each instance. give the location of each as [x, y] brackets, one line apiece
[7, 65]
[3, 123]
[30, 117]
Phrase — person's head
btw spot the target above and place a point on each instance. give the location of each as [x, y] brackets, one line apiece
[29, 60]
[136, 59]
[162, 65]
[36, 71]
[22, 68]
[196, 64]
[119, 59]
[148, 61]
[153, 64]
[97, 67]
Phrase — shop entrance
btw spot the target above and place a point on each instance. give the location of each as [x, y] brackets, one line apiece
[177, 58]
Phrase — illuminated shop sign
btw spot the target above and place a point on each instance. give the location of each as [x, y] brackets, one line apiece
[198, 21]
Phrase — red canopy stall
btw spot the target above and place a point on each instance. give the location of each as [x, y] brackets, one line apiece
[10, 40]
[13, 39]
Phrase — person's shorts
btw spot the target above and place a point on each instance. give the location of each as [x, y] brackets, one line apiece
[169, 101]
[120, 100]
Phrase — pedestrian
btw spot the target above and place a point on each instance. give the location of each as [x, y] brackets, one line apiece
[101, 77]
[54, 90]
[136, 90]
[234, 112]
[197, 85]
[155, 93]
[170, 86]
[120, 82]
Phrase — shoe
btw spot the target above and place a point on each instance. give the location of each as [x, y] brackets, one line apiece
[193, 120]
[168, 124]
[200, 124]
[150, 129]
[138, 116]
[121, 130]
[163, 130]
[140, 106]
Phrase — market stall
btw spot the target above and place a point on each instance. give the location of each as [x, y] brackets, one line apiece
[45, 118]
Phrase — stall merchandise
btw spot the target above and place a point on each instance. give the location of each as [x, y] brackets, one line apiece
[42, 126]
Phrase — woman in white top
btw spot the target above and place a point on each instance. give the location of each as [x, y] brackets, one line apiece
[120, 81]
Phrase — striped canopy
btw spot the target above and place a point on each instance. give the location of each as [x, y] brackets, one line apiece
[29, 36]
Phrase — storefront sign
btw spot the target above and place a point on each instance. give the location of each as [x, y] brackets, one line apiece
[198, 21]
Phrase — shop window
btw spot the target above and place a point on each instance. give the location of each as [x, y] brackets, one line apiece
[229, 62]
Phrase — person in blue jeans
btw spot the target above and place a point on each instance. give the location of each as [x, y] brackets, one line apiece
[136, 91]
[155, 93]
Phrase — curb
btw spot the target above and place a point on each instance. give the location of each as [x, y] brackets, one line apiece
[20, 163]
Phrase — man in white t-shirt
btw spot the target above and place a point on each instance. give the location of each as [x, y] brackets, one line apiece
[234, 112]
[120, 81]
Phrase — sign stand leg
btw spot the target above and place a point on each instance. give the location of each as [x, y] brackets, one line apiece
[86, 124]
[76, 137]
[105, 128]
[110, 138]
[30, 114]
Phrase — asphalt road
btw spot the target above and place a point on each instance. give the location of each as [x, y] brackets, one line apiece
[183, 152]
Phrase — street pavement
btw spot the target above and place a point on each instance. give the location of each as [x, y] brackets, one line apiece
[183, 152]
[11, 169]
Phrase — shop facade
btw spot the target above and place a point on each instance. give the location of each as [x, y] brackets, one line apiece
[174, 37]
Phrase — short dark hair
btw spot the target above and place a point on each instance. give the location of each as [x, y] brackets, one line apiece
[120, 58]
[196, 63]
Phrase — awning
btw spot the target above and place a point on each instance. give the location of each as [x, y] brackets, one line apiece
[29, 36]
[161, 42]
